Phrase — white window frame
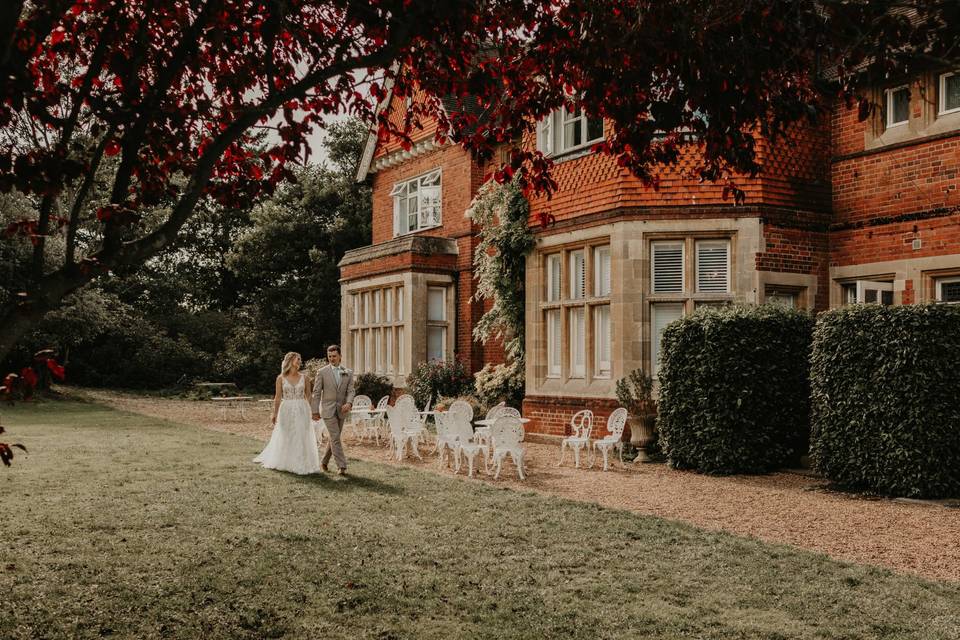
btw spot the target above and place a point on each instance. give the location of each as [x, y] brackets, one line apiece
[401, 190]
[653, 265]
[939, 289]
[888, 101]
[707, 243]
[942, 92]
[550, 130]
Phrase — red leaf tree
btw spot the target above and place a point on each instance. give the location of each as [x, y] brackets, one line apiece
[118, 117]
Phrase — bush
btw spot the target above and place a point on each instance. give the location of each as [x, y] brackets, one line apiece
[373, 386]
[885, 400]
[435, 379]
[501, 382]
[734, 390]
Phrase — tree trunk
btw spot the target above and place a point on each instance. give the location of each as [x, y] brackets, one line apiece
[19, 318]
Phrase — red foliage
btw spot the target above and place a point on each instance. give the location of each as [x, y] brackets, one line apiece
[171, 95]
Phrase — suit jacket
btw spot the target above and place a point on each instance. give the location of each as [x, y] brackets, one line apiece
[327, 397]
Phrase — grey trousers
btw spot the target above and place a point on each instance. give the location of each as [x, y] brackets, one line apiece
[334, 427]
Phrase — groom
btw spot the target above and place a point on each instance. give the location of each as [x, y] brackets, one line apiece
[332, 399]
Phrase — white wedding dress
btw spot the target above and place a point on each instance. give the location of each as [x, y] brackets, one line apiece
[293, 444]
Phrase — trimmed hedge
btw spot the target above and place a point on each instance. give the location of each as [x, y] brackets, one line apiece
[734, 389]
[886, 399]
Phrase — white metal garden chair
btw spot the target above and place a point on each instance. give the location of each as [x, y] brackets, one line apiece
[371, 425]
[358, 421]
[458, 426]
[507, 436]
[462, 407]
[403, 430]
[581, 424]
[379, 420]
[446, 438]
[483, 432]
[615, 425]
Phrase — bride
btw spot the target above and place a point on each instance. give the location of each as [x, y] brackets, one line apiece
[293, 444]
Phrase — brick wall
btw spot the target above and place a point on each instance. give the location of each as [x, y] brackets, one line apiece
[793, 250]
[551, 415]
[894, 241]
[908, 180]
[399, 262]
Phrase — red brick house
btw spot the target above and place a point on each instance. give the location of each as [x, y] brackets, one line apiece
[848, 212]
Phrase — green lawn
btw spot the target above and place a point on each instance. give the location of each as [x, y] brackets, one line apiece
[126, 526]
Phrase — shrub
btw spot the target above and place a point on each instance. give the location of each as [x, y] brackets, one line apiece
[435, 379]
[885, 400]
[373, 386]
[501, 382]
[635, 393]
[734, 391]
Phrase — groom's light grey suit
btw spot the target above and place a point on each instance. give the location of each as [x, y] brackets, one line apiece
[328, 397]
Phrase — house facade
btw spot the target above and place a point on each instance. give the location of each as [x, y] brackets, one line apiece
[845, 212]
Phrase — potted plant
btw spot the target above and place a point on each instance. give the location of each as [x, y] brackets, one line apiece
[635, 393]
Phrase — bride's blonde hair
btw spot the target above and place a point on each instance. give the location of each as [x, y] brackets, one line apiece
[287, 364]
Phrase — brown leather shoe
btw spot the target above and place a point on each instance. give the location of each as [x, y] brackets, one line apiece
[342, 472]
[323, 467]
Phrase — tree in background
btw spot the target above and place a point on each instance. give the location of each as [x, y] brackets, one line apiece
[155, 102]
[286, 262]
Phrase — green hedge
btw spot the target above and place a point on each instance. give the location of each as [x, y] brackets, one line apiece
[734, 390]
[886, 399]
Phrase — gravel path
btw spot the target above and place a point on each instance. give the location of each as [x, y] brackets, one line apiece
[923, 539]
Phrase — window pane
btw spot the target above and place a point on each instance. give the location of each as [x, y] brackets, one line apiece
[377, 350]
[594, 128]
[571, 134]
[667, 266]
[390, 340]
[662, 315]
[577, 342]
[404, 219]
[368, 350]
[413, 217]
[553, 277]
[712, 267]
[436, 304]
[898, 105]
[950, 86]
[356, 308]
[577, 275]
[399, 303]
[848, 293]
[601, 271]
[388, 304]
[366, 308]
[545, 135]
[435, 342]
[430, 206]
[356, 347]
[553, 342]
[400, 351]
[948, 290]
[601, 332]
[788, 300]
[376, 306]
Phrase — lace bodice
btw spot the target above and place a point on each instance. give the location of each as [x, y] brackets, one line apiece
[294, 391]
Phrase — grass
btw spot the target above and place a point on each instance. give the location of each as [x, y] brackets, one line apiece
[119, 525]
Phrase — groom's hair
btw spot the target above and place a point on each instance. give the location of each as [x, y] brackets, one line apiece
[334, 347]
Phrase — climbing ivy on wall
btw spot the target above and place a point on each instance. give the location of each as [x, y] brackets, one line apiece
[501, 212]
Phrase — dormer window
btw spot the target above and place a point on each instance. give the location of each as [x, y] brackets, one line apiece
[416, 203]
[564, 131]
[898, 106]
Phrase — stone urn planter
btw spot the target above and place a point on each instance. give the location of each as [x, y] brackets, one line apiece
[643, 429]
